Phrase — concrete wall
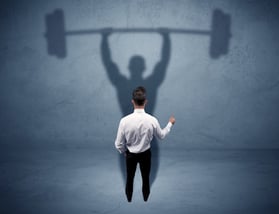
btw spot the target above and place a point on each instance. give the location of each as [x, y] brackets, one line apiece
[230, 102]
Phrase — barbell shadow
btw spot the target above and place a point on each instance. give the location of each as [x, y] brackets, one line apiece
[219, 33]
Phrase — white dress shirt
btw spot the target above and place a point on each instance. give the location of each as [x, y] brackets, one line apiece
[136, 131]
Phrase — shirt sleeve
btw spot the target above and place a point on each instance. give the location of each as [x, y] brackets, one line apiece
[161, 133]
[120, 141]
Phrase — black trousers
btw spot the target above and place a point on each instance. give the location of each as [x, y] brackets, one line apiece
[144, 160]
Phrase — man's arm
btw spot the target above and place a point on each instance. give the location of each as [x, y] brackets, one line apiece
[120, 141]
[161, 133]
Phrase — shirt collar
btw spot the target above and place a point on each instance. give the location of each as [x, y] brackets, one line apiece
[137, 110]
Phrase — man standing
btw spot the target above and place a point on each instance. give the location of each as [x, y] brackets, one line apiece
[134, 135]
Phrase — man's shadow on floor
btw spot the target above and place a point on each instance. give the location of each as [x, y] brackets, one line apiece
[124, 87]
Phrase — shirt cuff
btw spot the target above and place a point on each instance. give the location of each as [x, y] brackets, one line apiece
[121, 150]
[169, 125]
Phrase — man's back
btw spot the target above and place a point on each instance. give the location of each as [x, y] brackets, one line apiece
[137, 130]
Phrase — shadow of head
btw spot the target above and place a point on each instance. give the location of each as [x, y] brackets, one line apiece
[136, 66]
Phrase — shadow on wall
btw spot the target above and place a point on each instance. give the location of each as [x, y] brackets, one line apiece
[125, 86]
[219, 33]
[219, 45]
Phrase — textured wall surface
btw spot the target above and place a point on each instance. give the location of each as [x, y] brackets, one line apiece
[59, 116]
[230, 102]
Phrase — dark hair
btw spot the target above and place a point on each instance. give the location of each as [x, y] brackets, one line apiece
[139, 95]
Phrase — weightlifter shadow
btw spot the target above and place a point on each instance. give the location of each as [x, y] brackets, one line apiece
[124, 87]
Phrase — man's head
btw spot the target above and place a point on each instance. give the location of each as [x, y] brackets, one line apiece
[139, 96]
[137, 66]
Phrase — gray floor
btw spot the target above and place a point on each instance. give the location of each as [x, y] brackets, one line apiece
[89, 181]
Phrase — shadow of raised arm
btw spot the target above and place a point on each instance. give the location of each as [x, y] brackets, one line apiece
[111, 68]
[160, 68]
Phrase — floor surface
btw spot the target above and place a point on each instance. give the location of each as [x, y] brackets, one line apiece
[89, 181]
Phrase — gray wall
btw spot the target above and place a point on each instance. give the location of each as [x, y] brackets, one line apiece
[230, 102]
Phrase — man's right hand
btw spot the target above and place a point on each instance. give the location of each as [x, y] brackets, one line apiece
[172, 120]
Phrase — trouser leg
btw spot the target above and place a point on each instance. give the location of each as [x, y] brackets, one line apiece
[131, 165]
[145, 166]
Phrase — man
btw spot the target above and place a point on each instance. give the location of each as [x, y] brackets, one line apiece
[134, 135]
